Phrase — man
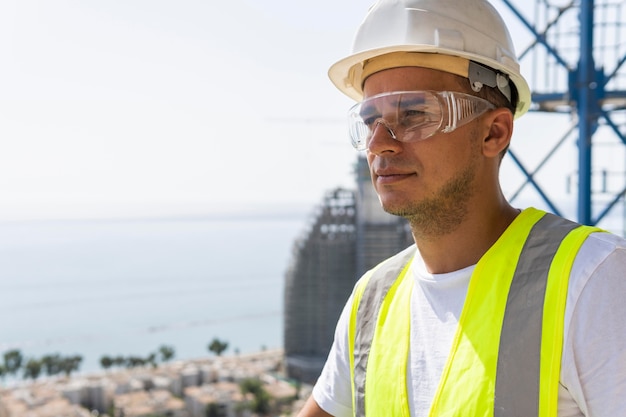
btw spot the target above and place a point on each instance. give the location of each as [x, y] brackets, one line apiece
[494, 311]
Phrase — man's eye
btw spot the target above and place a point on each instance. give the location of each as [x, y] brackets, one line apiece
[413, 116]
[369, 121]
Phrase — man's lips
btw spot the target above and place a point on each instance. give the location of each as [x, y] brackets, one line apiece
[388, 176]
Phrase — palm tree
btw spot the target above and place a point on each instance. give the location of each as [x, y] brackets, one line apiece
[71, 364]
[119, 361]
[167, 352]
[13, 361]
[217, 346]
[106, 362]
[52, 364]
[151, 360]
[135, 361]
[32, 369]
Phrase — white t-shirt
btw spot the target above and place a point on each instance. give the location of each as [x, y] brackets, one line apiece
[593, 371]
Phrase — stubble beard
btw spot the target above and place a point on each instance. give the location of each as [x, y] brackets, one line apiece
[443, 212]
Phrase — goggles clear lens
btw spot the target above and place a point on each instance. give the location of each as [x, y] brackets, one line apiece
[410, 116]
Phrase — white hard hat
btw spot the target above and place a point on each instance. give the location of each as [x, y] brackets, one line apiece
[464, 37]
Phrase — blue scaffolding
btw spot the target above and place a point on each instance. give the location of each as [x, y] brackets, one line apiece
[577, 51]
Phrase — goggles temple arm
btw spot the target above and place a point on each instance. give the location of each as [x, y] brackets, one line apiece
[450, 104]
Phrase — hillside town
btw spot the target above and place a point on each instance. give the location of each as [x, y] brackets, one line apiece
[220, 386]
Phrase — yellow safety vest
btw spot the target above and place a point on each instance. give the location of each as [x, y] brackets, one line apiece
[506, 354]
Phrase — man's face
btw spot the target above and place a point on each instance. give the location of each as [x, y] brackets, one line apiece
[427, 181]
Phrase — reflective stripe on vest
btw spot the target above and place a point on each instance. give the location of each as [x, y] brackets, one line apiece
[505, 357]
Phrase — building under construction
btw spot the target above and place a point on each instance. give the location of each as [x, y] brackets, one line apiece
[349, 234]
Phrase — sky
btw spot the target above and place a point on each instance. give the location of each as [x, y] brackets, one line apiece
[161, 107]
[153, 107]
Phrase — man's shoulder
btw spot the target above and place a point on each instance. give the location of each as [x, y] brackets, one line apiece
[603, 244]
[600, 255]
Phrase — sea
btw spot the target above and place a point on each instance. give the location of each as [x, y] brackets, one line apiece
[125, 287]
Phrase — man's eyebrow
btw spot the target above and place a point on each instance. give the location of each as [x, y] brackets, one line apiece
[370, 108]
[367, 110]
[413, 100]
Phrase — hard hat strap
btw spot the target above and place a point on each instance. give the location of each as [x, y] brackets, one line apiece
[480, 75]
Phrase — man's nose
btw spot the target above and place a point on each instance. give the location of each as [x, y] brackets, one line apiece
[386, 127]
[382, 138]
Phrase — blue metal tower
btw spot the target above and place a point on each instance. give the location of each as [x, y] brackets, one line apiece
[577, 51]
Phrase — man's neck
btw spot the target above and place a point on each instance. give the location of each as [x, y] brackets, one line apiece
[465, 245]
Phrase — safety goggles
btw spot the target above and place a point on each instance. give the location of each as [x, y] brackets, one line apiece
[410, 116]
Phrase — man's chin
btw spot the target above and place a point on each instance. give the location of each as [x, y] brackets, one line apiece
[396, 210]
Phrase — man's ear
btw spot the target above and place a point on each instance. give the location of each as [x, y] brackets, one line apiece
[500, 125]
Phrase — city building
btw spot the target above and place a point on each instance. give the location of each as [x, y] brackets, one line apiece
[349, 234]
[194, 388]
